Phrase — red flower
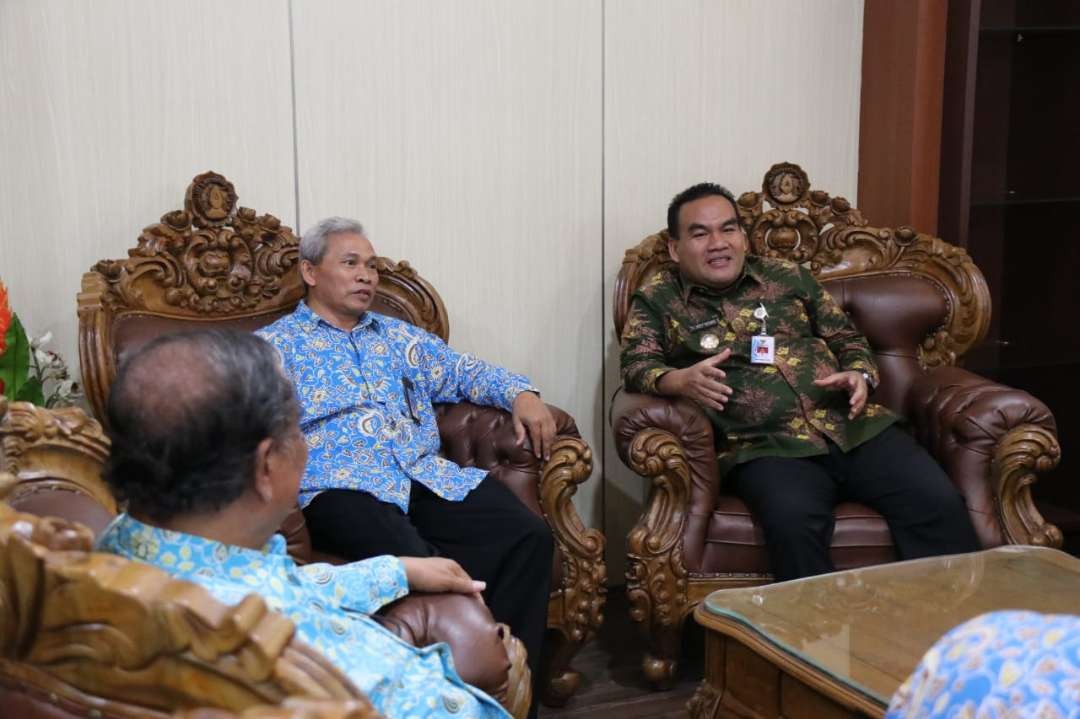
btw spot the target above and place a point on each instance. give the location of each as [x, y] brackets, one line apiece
[5, 320]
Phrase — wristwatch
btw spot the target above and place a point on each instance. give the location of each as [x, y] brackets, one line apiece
[870, 384]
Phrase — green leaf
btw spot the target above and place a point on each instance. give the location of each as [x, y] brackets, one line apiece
[15, 362]
[31, 391]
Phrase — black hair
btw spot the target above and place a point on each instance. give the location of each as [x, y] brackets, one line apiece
[186, 414]
[696, 192]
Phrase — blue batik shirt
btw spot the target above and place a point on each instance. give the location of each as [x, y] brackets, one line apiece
[998, 665]
[366, 397]
[329, 605]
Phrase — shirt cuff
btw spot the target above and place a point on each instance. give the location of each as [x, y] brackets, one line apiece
[513, 391]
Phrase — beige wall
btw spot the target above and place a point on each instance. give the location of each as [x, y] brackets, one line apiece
[510, 149]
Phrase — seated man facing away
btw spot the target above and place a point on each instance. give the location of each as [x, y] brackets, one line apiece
[208, 454]
[783, 376]
[375, 483]
[1001, 664]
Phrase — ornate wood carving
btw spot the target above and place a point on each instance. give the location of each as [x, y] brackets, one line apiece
[403, 290]
[1019, 457]
[209, 259]
[214, 260]
[81, 624]
[656, 578]
[583, 592]
[53, 449]
[519, 690]
[834, 240]
[704, 703]
[638, 264]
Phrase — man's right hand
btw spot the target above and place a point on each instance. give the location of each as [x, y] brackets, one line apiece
[701, 382]
[438, 574]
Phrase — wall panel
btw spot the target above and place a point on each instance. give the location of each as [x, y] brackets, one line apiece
[466, 136]
[708, 90]
[109, 109]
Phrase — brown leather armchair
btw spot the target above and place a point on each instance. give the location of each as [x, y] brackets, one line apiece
[50, 464]
[214, 263]
[922, 304]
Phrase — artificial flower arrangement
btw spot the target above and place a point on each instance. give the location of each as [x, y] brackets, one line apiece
[28, 371]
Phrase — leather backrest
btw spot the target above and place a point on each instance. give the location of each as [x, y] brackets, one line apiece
[895, 313]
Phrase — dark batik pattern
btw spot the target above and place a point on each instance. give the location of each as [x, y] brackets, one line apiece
[775, 410]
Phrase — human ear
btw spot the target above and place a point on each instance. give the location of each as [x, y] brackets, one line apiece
[673, 249]
[264, 472]
[307, 271]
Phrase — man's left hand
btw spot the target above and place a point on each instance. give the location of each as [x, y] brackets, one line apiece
[853, 383]
[439, 574]
[532, 417]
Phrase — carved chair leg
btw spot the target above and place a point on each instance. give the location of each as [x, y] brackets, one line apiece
[656, 578]
[661, 660]
[560, 679]
[578, 613]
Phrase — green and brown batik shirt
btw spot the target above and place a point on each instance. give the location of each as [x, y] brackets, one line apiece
[775, 410]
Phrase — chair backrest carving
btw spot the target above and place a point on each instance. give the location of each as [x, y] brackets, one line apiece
[75, 624]
[789, 220]
[55, 456]
[213, 263]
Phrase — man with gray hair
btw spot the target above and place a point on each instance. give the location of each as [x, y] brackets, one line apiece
[207, 455]
[375, 483]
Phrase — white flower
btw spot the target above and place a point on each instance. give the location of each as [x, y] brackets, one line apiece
[41, 341]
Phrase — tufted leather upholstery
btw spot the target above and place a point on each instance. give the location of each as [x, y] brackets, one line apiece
[921, 303]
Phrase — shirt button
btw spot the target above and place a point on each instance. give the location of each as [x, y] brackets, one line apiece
[452, 704]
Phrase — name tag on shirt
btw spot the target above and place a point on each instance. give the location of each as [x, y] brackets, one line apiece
[762, 349]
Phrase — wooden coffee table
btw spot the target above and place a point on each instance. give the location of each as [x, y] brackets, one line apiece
[839, 645]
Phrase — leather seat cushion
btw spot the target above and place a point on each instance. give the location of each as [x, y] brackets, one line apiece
[734, 543]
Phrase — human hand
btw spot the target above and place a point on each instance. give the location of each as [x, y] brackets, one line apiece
[853, 383]
[439, 574]
[533, 416]
[701, 382]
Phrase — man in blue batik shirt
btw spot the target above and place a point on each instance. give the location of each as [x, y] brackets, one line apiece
[375, 483]
[207, 454]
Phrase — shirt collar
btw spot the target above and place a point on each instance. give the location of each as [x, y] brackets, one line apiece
[310, 320]
[137, 533]
[750, 269]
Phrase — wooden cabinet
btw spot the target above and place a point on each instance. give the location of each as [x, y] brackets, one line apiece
[1010, 194]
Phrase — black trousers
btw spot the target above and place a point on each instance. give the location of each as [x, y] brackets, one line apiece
[490, 533]
[794, 499]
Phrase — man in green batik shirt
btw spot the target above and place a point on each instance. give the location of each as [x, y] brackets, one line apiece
[785, 378]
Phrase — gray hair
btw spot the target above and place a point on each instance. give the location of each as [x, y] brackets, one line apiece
[313, 243]
[186, 415]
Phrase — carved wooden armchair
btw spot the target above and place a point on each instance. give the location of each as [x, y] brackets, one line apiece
[922, 304]
[50, 466]
[214, 263]
[90, 634]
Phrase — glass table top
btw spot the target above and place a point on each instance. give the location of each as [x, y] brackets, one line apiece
[868, 628]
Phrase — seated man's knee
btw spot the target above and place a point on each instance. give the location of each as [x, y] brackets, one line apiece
[539, 534]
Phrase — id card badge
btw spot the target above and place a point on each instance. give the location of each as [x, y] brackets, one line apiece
[762, 349]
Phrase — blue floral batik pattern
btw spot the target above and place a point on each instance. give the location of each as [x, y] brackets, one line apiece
[329, 605]
[367, 396]
[996, 666]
